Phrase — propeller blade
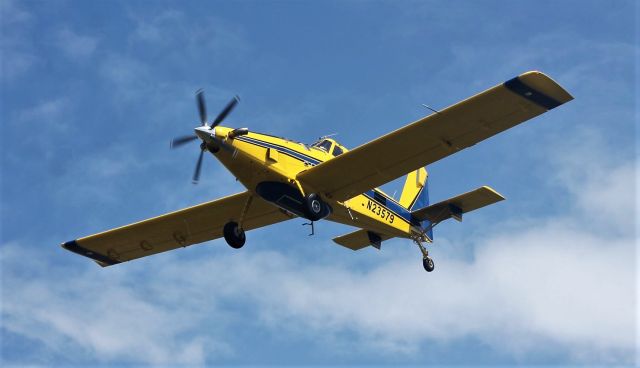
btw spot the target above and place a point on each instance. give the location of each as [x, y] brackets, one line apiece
[223, 114]
[196, 174]
[179, 141]
[202, 108]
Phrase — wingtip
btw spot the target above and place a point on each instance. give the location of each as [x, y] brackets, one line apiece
[102, 260]
[494, 192]
[68, 244]
[550, 93]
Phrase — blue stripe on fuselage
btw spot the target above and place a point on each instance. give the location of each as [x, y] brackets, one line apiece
[282, 149]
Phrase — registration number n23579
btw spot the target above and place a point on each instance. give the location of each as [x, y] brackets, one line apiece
[380, 211]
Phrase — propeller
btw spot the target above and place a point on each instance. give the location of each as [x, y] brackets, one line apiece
[196, 173]
[223, 114]
[202, 110]
[179, 141]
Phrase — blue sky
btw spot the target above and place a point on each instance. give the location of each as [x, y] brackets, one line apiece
[92, 92]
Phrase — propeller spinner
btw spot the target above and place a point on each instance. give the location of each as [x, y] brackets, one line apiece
[202, 110]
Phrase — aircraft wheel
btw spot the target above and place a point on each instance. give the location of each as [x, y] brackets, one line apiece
[428, 264]
[314, 207]
[234, 235]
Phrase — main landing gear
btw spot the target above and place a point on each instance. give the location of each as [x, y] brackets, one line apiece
[233, 231]
[234, 235]
[314, 208]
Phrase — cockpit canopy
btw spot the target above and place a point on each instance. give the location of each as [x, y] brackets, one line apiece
[330, 146]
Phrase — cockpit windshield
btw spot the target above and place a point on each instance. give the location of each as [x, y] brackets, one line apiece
[324, 145]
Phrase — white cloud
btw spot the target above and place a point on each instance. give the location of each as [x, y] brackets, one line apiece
[76, 46]
[522, 289]
[526, 291]
[560, 284]
[156, 29]
[18, 55]
[99, 312]
[129, 76]
[16, 63]
[169, 30]
[601, 184]
[53, 118]
[47, 113]
[13, 14]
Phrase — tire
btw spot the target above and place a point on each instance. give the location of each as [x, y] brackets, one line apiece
[234, 235]
[428, 264]
[314, 207]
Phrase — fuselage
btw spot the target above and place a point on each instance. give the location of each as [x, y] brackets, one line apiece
[259, 158]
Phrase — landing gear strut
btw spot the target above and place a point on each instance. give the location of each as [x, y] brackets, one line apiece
[234, 235]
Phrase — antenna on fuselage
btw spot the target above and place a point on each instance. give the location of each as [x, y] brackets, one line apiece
[432, 109]
[328, 136]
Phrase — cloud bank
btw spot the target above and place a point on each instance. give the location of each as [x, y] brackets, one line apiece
[531, 287]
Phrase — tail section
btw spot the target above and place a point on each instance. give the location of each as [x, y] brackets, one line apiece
[415, 194]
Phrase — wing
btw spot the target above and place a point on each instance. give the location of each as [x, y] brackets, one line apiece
[457, 206]
[176, 229]
[436, 136]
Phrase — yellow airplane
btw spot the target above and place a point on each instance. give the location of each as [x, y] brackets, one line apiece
[286, 179]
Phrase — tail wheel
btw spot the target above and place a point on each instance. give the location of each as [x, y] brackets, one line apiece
[428, 264]
[234, 235]
[314, 207]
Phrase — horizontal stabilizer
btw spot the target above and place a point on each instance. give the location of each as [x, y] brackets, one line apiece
[456, 206]
[361, 238]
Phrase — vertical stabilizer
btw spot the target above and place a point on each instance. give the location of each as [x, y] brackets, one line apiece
[415, 194]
